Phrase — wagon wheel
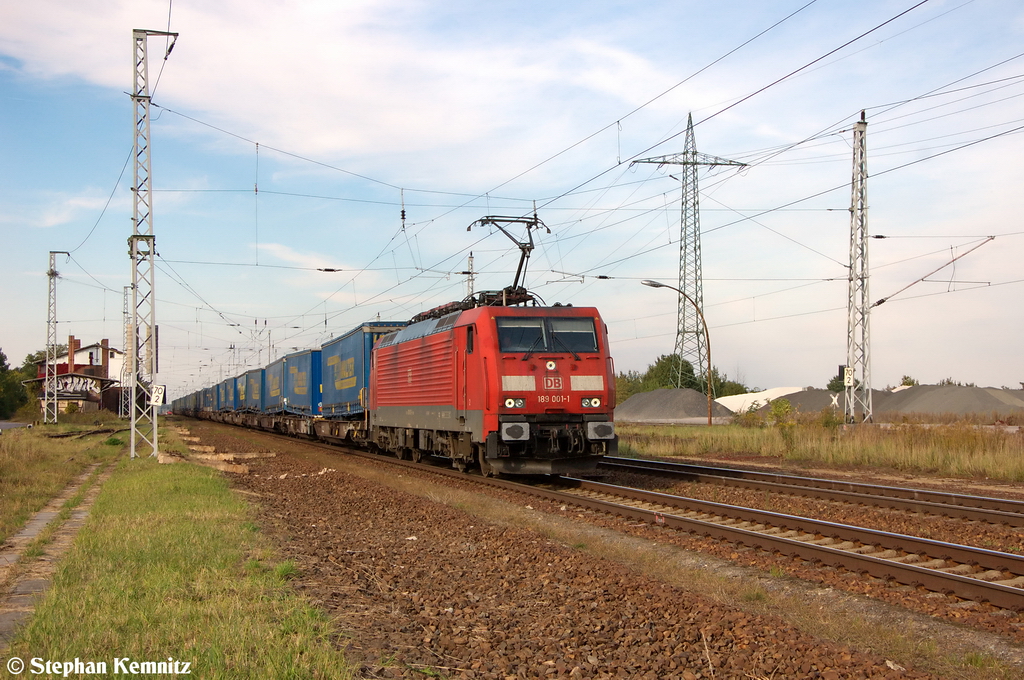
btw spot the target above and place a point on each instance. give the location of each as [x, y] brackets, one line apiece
[459, 464]
[417, 455]
[405, 453]
[486, 469]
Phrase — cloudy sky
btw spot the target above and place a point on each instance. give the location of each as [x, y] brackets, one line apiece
[340, 113]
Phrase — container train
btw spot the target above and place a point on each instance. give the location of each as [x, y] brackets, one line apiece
[494, 382]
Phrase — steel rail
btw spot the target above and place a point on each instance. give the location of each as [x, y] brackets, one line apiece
[1007, 597]
[1003, 596]
[956, 506]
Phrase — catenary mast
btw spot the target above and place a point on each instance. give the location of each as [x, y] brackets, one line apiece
[858, 341]
[141, 351]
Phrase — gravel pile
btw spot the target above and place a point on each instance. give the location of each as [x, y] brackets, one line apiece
[420, 587]
[937, 399]
[668, 405]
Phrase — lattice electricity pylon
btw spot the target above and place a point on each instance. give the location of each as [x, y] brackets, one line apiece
[50, 369]
[690, 335]
[142, 348]
[858, 338]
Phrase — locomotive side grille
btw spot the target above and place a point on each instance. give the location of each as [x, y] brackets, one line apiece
[420, 374]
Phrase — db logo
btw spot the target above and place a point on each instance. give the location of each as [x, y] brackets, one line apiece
[552, 382]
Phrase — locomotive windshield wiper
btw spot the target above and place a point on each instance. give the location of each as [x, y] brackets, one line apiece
[554, 336]
[529, 352]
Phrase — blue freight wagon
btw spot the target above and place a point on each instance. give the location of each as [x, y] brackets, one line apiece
[301, 383]
[209, 399]
[253, 390]
[240, 392]
[273, 387]
[345, 363]
[226, 396]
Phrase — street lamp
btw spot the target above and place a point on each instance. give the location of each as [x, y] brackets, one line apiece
[707, 338]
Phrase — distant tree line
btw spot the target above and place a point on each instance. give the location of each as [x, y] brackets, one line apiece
[662, 374]
[13, 394]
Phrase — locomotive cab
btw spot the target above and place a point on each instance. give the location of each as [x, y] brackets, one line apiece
[554, 410]
[515, 390]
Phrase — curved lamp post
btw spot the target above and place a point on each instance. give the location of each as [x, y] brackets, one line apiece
[707, 338]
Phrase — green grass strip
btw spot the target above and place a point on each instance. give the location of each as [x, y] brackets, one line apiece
[170, 564]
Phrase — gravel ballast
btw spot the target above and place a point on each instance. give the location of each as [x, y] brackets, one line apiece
[417, 585]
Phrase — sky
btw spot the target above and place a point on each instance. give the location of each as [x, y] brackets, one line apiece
[288, 137]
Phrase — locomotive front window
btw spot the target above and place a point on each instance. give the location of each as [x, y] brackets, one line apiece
[521, 335]
[573, 334]
[546, 334]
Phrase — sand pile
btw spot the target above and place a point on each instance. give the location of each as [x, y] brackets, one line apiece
[666, 406]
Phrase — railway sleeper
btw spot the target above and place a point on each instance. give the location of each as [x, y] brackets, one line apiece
[961, 569]
[993, 575]
[1016, 582]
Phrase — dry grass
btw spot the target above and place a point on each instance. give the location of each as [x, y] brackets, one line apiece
[959, 449]
[169, 564]
[34, 468]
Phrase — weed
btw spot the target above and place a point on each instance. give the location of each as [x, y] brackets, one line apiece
[754, 595]
[286, 570]
[978, 660]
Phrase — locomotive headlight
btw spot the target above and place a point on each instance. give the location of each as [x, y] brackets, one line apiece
[591, 402]
[515, 403]
[551, 365]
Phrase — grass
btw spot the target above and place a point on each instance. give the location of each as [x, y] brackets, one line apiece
[170, 564]
[957, 449]
[35, 468]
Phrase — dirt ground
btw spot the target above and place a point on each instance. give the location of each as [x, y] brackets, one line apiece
[422, 585]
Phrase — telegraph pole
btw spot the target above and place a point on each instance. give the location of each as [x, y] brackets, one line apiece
[141, 351]
[690, 330]
[858, 339]
[50, 386]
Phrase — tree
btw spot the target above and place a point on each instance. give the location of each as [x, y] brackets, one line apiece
[28, 366]
[12, 392]
[664, 372]
[836, 384]
[909, 382]
[723, 386]
[626, 385]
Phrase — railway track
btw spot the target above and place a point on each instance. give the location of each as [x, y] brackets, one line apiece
[956, 506]
[966, 572]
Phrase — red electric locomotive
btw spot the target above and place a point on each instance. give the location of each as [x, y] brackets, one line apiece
[513, 389]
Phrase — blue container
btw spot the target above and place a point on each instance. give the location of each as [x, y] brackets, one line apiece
[209, 399]
[226, 395]
[345, 363]
[240, 392]
[254, 390]
[301, 383]
[273, 387]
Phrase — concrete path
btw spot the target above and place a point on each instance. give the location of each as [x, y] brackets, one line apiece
[22, 581]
